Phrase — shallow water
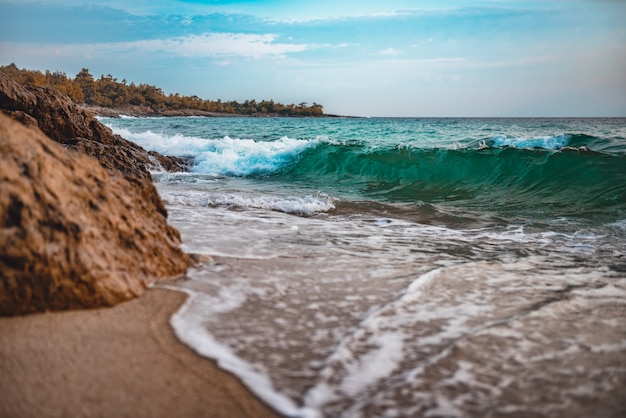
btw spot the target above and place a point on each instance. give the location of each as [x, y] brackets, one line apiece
[373, 317]
[401, 268]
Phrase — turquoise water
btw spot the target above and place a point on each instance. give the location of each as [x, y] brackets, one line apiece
[531, 169]
[404, 267]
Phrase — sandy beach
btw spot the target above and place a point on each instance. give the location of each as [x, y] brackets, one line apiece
[123, 361]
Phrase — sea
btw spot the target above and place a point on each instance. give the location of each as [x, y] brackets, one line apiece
[403, 267]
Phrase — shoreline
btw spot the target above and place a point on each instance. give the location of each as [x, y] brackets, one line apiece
[143, 111]
[118, 361]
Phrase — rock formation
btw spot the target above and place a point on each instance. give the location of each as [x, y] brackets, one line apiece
[75, 233]
[62, 120]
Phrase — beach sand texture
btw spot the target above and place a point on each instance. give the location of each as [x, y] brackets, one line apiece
[123, 361]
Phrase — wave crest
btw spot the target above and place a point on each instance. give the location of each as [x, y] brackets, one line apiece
[541, 174]
[226, 156]
[569, 181]
[550, 142]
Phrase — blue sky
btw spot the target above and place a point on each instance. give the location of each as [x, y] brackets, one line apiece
[365, 58]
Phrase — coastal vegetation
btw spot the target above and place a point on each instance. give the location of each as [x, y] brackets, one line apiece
[109, 92]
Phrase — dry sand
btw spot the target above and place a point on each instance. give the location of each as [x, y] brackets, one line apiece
[123, 361]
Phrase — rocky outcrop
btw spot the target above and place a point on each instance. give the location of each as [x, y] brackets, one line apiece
[63, 121]
[75, 233]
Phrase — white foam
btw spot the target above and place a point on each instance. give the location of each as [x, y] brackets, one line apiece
[298, 205]
[395, 342]
[188, 326]
[608, 291]
[224, 156]
[572, 242]
[241, 157]
[621, 224]
[421, 282]
[178, 144]
[550, 142]
[385, 350]
[378, 363]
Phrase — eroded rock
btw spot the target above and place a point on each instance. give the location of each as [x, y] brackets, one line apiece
[65, 122]
[81, 223]
[72, 235]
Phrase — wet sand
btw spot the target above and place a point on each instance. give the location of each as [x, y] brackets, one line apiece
[123, 361]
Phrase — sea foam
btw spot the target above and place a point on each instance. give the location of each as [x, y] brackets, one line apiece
[241, 157]
[550, 142]
[224, 156]
[307, 205]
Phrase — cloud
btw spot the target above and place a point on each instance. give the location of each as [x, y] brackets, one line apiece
[389, 51]
[218, 44]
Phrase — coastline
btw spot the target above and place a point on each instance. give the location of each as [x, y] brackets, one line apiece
[119, 361]
[144, 111]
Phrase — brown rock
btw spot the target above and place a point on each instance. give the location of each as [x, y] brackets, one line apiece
[65, 122]
[73, 234]
[62, 120]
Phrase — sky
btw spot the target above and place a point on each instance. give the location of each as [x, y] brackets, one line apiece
[425, 58]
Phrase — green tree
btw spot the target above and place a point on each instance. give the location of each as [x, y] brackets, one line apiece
[61, 82]
[107, 91]
[87, 85]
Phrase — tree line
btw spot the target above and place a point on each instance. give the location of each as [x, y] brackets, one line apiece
[107, 91]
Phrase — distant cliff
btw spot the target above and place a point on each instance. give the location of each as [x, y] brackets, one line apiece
[81, 223]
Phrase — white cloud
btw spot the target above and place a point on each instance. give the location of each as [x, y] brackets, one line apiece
[389, 51]
[218, 44]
